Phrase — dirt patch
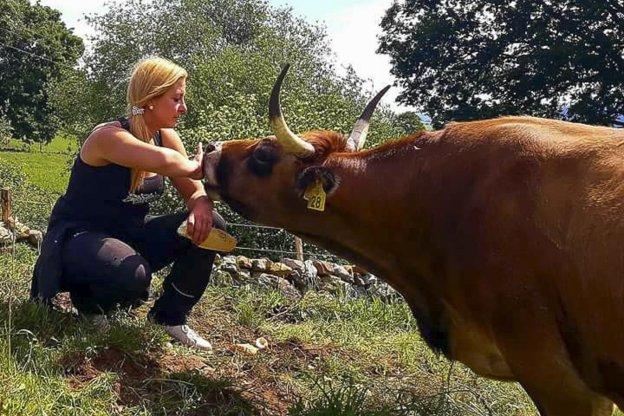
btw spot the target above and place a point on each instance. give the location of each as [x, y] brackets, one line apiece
[176, 364]
[131, 369]
[227, 381]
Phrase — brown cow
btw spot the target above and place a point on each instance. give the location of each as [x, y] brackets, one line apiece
[505, 236]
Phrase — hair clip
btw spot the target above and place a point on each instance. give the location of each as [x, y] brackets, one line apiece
[137, 111]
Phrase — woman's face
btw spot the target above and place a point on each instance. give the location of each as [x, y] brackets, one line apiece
[169, 106]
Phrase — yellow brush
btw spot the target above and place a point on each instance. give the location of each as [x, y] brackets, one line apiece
[217, 240]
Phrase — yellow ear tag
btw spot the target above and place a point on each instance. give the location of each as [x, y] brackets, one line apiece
[315, 195]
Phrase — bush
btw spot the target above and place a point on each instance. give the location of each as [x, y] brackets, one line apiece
[31, 204]
[6, 131]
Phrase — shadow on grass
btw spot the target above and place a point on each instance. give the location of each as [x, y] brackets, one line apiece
[147, 382]
[143, 374]
[45, 324]
[44, 151]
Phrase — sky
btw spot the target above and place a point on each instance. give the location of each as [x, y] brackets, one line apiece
[352, 28]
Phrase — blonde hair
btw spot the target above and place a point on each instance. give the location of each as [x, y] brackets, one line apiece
[150, 79]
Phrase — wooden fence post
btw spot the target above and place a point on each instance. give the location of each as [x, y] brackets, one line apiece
[299, 248]
[5, 199]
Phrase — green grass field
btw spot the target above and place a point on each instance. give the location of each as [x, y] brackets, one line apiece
[47, 168]
[60, 144]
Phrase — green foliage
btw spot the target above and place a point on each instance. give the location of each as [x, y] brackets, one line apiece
[47, 47]
[409, 121]
[31, 204]
[233, 50]
[6, 131]
[75, 102]
[460, 60]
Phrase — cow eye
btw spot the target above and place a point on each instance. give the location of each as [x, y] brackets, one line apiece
[263, 159]
[265, 154]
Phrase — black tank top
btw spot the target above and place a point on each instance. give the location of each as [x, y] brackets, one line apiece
[99, 196]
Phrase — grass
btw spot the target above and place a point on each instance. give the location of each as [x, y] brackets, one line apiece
[48, 167]
[46, 170]
[326, 356]
[60, 144]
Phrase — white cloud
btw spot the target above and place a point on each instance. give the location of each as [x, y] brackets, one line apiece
[353, 32]
[73, 12]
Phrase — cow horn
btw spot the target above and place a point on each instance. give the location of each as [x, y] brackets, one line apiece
[358, 136]
[291, 143]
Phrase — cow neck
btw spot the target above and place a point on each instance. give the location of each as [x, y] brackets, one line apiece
[366, 215]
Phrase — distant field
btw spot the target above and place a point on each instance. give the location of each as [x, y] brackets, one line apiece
[59, 144]
[48, 168]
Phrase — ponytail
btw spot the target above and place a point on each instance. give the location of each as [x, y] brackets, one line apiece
[150, 79]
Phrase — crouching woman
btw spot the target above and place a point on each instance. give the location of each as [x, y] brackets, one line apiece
[101, 246]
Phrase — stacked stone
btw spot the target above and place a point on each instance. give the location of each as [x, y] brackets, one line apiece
[294, 277]
[6, 236]
[19, 231]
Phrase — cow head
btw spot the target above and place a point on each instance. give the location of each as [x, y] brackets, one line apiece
[268, 180]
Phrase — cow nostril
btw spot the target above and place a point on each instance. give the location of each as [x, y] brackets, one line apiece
[209, 147]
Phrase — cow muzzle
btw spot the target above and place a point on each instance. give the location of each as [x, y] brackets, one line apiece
[209, 165]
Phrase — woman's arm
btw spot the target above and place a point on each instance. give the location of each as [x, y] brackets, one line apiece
[192, 191]
[112, 144]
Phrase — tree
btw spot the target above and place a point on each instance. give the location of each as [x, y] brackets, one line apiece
[409, 121]
[461, 60]
[233, 50]
[35, 46]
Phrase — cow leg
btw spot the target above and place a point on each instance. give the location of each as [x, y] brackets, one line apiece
[553, 384]
[539, 361]
[562, 402]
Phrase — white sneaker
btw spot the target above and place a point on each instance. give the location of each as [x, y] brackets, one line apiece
[187, 336]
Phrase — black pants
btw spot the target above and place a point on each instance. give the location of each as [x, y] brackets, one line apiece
[103, 270]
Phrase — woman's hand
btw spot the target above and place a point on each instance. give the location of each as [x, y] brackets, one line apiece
[198, 172]
[199, 222]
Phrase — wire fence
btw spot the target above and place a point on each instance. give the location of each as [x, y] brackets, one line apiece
[15, 204]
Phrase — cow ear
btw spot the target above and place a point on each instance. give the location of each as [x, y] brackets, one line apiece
[309, 176]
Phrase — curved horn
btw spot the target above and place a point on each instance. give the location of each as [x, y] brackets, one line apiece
[358, 136]
[291, 143]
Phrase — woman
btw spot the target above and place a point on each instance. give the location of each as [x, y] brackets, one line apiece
[100, 245]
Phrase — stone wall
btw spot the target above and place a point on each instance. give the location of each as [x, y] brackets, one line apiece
[15, 231]
[293, 277]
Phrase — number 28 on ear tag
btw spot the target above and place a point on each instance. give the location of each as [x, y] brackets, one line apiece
[315, 195]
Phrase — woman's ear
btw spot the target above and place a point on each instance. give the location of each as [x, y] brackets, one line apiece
[310, 176]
